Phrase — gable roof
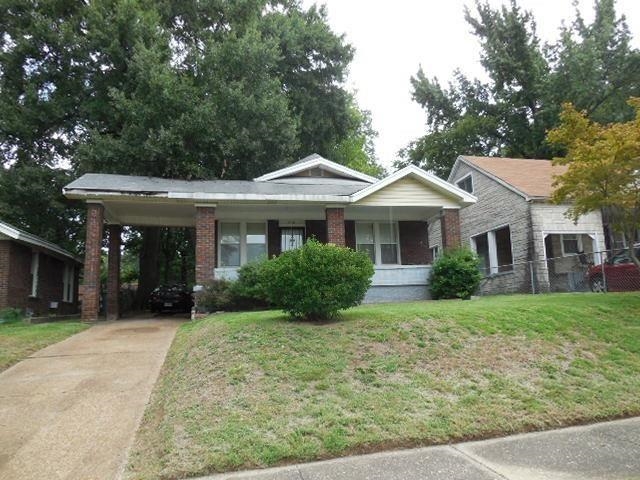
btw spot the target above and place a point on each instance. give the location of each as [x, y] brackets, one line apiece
[316, 161]
[531, 178]
[428, 179]
[13, 233]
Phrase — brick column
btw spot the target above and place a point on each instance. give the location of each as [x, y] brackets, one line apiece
[450, 228]
[335, 226]
[205, 243]
[113, 272]
[91, 279]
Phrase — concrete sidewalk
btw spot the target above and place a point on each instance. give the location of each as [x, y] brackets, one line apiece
[70, 411]
[603, 451]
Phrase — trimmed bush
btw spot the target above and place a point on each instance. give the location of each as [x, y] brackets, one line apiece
[317, 280]
[455, 274]
[11, 315]
[215, 295]
[248, 291]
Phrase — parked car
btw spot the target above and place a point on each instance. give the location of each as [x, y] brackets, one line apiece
[617, 274]
[174, 298]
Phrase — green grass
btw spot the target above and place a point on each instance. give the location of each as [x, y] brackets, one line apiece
[19, 340]
[248, 390]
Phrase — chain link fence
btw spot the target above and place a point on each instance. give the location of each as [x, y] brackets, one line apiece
[604, 271]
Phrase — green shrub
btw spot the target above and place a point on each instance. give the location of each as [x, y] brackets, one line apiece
[455, 274]
[248, 291]
[317, 280]
[11, 315]
[215, 295]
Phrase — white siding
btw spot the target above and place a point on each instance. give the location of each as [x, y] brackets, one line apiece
[408, 192]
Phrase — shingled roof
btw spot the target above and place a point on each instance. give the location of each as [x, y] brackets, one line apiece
[533, 178]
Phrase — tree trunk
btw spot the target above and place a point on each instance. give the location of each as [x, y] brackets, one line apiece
[149, 273]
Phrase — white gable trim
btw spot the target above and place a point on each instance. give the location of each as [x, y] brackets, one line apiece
[20, 236]
[429, 179]
[316, 161]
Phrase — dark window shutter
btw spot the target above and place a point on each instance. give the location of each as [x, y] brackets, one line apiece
[414, 243]
[317, 229]
[350, 234]
[273, 238]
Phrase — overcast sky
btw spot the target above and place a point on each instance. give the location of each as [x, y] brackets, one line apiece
[393, 38]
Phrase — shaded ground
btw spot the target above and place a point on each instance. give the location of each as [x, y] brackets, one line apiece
[19, 340]
[70, 411]
[250, 390]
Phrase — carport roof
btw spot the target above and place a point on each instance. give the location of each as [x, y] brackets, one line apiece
[134, 185]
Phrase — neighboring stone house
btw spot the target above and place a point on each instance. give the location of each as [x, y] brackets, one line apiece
[36, 276]
[513, 223]
[236, 221]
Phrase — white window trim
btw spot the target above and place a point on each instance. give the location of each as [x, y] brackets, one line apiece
[68, 283]
[378, 245]
[468, 175]
[580, 244]
[243, 242]
[35, 270]
[493, 247]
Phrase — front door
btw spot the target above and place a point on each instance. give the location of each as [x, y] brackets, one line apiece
[291, 238]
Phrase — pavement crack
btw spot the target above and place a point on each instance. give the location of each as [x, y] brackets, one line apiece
[477, 461]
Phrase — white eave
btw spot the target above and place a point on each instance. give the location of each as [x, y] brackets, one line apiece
[13, 233]
[313, 162]
[465, 198]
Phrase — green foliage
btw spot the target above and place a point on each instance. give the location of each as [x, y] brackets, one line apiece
[248, 291]
[11, 315]
[317, 280]
[603, 169]
[592, 65]
[455, 274]
[216, 295]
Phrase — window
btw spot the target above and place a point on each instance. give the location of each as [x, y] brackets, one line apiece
[291, 238]
[229, 244]
[388, 243]
[256, 241]
[379, 241]
[494, 250]
[35, 266]
[571, 244]
[365, 240]
[435, 254]
[466, 183]
[68, 279]
[241, 242]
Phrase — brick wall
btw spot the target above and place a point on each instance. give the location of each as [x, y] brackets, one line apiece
[4, 273]
[205, 244]
[450, 228]
[15, 281]
[414, 243]
[93, 245]
[335, 226]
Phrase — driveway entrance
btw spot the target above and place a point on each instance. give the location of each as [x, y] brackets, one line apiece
[71, 410]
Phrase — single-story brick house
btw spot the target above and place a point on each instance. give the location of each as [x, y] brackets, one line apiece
[36, 276]
[237, 221]
[513, 223]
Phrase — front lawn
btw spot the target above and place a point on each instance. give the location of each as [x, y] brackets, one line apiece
[248, 390]
[19, 340]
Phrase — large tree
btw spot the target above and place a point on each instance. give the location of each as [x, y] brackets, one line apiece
[603, 169]
[591, 65]
[196, 89]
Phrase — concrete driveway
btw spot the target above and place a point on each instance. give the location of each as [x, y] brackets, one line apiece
[71, 410]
